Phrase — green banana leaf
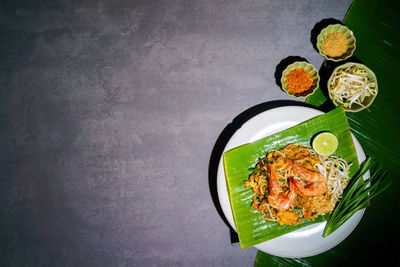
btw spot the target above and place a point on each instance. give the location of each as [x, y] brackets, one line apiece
[251, 228]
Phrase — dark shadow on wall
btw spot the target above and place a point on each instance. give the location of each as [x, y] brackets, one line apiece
[223, 139]
[26, 197]
[16, 45]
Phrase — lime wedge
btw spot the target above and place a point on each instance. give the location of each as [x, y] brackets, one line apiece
[325, 144]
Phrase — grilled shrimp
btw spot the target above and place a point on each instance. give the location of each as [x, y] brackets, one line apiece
[277, 197]
[315, 182]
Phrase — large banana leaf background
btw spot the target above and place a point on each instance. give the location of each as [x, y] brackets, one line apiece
[375, 24]
[252, 229]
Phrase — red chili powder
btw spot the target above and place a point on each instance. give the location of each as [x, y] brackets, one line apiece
[299, 80]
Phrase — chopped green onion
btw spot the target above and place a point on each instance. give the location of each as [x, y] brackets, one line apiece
[255, 170]
[358, 194]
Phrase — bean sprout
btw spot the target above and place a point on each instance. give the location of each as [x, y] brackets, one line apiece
[351, 86]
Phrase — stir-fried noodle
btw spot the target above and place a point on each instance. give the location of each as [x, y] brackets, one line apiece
[295, 183]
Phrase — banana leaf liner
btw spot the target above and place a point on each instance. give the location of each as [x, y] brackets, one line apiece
[251, 227]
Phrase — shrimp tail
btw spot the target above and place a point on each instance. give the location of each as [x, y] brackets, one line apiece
[315, 182]
[311, 189]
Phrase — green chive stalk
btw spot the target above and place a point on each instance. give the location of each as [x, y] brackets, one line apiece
[358, 193]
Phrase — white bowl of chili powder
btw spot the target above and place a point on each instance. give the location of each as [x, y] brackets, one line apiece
[300, 79]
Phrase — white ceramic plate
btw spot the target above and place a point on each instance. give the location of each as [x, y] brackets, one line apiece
[304, 242]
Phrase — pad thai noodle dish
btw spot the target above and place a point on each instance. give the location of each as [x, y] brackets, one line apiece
[296, 183]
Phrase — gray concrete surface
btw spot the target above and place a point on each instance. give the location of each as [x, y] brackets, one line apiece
[109, 113]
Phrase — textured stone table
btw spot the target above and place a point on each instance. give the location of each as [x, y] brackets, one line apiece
[110, 111]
